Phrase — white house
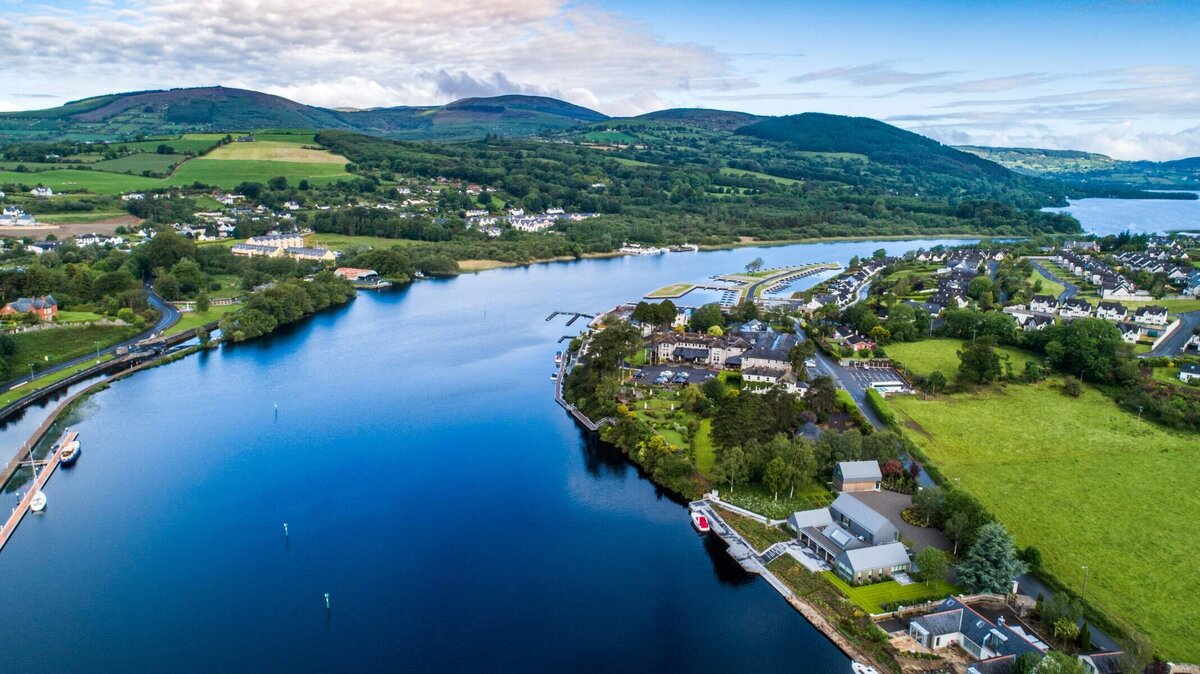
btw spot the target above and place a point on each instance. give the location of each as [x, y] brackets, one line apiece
[1075, 308]
[1151, 315]
[1046, 304]
[1189, 372]
[41, 192]
[1113, 311]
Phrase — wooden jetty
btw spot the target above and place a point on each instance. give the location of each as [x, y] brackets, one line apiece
[48, 467]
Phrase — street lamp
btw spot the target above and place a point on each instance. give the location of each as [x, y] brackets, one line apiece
[97, 344]
[1086, 571]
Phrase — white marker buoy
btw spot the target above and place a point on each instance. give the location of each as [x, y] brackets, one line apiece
[326, 601]
[285, 530]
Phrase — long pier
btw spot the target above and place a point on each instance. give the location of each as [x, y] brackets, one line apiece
[575, 315]
[580, 418]
[49, 466]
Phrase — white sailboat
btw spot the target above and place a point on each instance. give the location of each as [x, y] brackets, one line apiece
[38, 503]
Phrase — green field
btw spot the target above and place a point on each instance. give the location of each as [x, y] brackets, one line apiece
[142, 161]
[342, 242]
[80, 217]
[97, 182]
[48, 347]
[1087, 484]
[671, 291]
[702, 448]
[930, 355]
[195, 143]
[230, 172]
[78, 317]
[754, 174]
[875, 598]
[195, 319]
[610, 137]
[1048, 287]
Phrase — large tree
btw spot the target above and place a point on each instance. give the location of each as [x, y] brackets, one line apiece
[731, 467]
[992, 563]
[978, 361]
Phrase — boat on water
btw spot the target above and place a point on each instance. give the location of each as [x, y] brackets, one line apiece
[558, 357]
[700, 521]
[860, 668]
[38, 503]
[70, 453]
[553, 376]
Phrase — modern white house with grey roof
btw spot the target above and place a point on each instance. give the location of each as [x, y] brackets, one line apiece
[857, 476]
[860, 544]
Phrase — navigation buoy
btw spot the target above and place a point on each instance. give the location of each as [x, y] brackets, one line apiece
[326, 601]
[285, 530]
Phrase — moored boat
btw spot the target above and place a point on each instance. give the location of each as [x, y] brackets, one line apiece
[860, 668]
[700, 521]
[558, 357]
[70, 453]
[38, 502]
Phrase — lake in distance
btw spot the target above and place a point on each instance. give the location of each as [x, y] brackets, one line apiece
[457, 517]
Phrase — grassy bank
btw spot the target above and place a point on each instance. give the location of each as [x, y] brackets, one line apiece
[50, 347]
[1086, 483]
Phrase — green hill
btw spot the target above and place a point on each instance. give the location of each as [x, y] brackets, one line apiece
[1096, 171]
[221, 109]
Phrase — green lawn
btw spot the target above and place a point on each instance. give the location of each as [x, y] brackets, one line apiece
[189, 143]
[14, 394]
[876, 598]
[67, 180]
[1087, 484]
[80, 217]
[702, 448]
[77, 317]
[672, 291]
[757, 534]
[342, 242]
[48, 347]
[932, 355]
[194, 319]
[756, 498]
[1048, 287]
[230, 172]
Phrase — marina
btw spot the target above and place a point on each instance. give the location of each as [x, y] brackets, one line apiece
[34, 500]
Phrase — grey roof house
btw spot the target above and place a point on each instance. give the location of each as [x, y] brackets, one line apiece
[860, 544]
[954, 623]
[857, 476]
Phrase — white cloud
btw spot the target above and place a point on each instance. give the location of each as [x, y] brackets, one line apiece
[355, 52]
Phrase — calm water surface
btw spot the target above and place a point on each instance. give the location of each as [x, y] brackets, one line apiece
[457, 518]
[1140, 216]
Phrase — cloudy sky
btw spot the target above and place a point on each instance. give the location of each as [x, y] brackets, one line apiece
[1120, 77]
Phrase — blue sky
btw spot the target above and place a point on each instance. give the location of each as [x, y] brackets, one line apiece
[1115, 76]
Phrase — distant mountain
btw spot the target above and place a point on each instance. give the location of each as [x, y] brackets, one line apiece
[122, 116]
[1095, 170]
[880, 142]
[701, 118]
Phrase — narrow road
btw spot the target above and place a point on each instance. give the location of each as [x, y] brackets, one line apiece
[167, 316]
[1069, 289]
[1189, 323]
[829, 367]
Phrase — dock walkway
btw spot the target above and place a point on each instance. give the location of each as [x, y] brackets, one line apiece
[48, 468]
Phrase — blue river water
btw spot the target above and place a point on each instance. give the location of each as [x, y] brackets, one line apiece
[1139, 216]
[457, 518]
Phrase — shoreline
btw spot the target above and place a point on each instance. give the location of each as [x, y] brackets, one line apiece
[477, 265]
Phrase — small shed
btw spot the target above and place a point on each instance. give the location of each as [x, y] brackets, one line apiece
[857, 476]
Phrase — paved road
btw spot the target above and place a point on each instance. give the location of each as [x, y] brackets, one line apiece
[168, 316]
[1190, 322]
[844, 379]
[1070, 289]
[1031, 587]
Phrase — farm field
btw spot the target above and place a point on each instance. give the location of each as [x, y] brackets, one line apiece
[230, 172]
[67, 180]
[142, 161]
[340, 242]
[930, 355]
[1081, 479]
[197, 142]
[264, 150]
[754, 174]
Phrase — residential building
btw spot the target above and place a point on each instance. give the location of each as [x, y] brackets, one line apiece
[857, 476]
[1110, 662]
[305, 253]
[254, 250]
[278, 240]
[1113, 311]
[1129, 332]
[1189, 372]
[41, 192]
[1151, 315]
[44, 307]
[692, 347]
[954, 623]
[40, 247]
[1075, 308]
[95, 239]
[1046, 304]
[860, 544]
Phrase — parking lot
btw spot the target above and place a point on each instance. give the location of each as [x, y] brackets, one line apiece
[696, 375]
[864, 376]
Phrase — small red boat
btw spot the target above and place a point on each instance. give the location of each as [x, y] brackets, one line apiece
[700, 522]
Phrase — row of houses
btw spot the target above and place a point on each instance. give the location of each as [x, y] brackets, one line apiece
[12, 216]
[760, 352]
[1114, 311]
[1090, 268]
[282, 245]
[845, 288]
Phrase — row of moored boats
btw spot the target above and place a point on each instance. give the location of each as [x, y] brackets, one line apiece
[68, 451]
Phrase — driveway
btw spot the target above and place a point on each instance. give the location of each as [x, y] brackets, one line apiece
[889, 504]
